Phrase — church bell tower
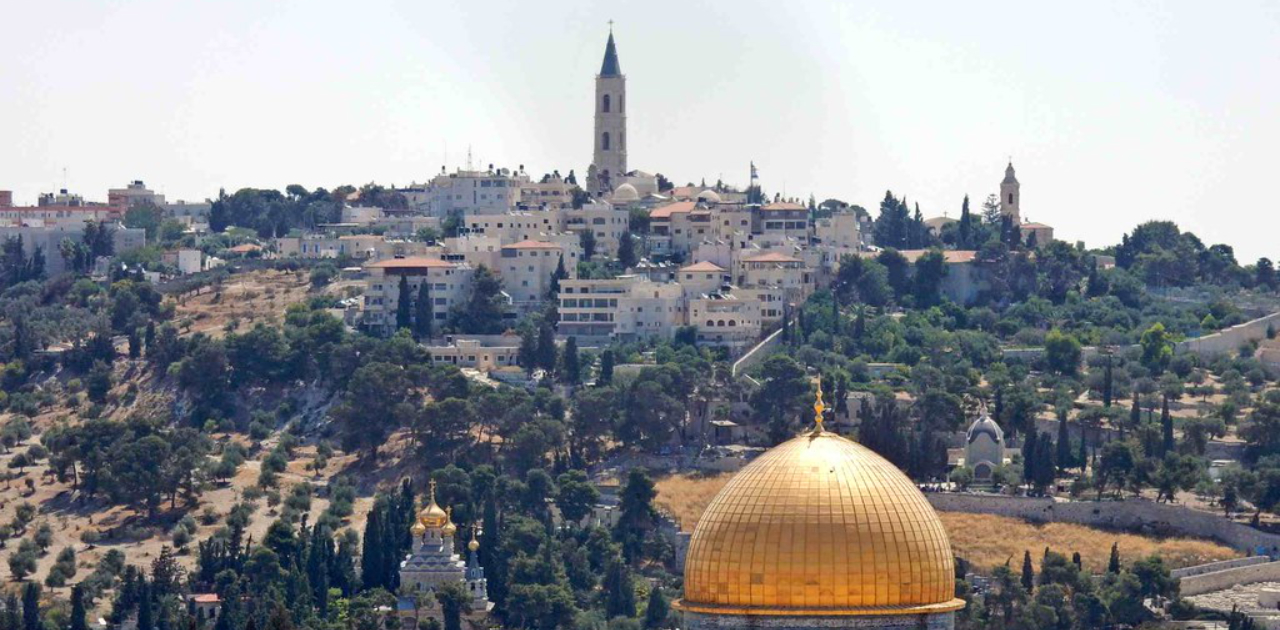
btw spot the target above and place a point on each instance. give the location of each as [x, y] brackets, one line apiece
[1011, 196]
[609, 150]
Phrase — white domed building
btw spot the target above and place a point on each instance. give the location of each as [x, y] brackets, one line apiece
[709, 197]
[625, 194]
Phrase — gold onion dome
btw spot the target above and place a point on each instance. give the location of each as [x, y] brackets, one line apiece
[819, 525]
[449, 528]
[474, 544]
[418, 529]
[433, 515]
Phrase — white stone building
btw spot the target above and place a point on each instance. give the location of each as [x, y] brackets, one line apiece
[450, 286]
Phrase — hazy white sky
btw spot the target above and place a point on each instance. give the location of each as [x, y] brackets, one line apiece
[1114, 113]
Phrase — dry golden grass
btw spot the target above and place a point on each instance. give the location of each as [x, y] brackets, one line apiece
[987, 541]
[687, 496]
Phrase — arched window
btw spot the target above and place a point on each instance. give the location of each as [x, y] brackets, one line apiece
[732, 323]
[710, 323]
[720, 324]
[604, 141]
[604, 104]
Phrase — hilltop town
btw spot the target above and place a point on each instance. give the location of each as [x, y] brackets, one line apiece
[500, 398]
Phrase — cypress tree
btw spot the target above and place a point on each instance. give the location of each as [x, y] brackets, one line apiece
[1028, 573]
[404, 301]
[1064, 440]
[658, 610]
[1029, 456]
[1135, 412]
[1113, 565]
[546, 347]
[1044, 466]
[965, 236]
[77, 608]
[835, 316]
[1082, 460]
[135, 344]
[606, 368]
[146, 616]
[1107, 384]
[149, 337]
[620, 594]
[627, 251]
[423, 312]
[1076, 560]
[491, 554]
[12, 612]
[556, 276]
[31, 606]
[572, 368]
[1166, 428]
[371, 565]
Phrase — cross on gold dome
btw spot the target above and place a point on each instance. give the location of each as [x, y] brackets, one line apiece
[432, 486]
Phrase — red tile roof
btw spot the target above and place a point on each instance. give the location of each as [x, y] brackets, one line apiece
[705, 265]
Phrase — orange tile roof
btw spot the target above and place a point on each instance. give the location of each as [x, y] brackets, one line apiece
[666, 211]
[705, 265]
[772, 257]
[532, 244]
[206, 598]
[411, 262]
[245, 248]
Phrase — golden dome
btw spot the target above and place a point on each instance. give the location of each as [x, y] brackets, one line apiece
[418, 529]
[449, 528]
[474, 544]
[433, 515]
[819, 525]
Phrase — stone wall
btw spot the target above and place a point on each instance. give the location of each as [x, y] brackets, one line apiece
[1220, 565]
[1222, 580]
[1137, 515]
[758, 353]
[1229, 340]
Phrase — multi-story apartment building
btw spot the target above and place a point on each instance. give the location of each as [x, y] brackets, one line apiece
[450, 285]
[607, 223]
[474, 192]
[782, 219]
[526, 269]
[626, 307]
[776, 270]
[362, 246]
[516, 226]
[135, 193]
[725, 318]
[61, 209]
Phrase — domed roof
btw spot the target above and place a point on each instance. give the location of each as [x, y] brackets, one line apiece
[433, 515]
[819, 525]
[449, 528]
[986, 425]
[626, 192]
[418, 529]
[709, 195]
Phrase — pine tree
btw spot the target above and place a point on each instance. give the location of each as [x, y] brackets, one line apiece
[77, 608]
[1028, 572]
[423, 312]
[571, 369]
[1113, 565]
[403, 319]
[658, 610]
[606, 368]
[1166, 428]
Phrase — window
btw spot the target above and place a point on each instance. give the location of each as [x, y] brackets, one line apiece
[604, 105]
[604, 141]
[622, 103]
[1010, 194]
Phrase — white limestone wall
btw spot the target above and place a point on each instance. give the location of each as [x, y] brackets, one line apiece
[1222, 580]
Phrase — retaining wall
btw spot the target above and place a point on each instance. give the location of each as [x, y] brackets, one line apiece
[1222, 580]
[1137, 515]
[1220, 565]
[758, 353]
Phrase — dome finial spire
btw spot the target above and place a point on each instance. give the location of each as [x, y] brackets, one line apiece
[818, 408]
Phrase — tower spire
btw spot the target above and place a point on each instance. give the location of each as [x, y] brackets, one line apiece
[610, 67]
[818, 408]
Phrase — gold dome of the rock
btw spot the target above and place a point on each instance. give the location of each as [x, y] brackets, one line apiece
[819, 525]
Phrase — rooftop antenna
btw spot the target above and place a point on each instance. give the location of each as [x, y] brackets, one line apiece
[611, 27]
[468, 157]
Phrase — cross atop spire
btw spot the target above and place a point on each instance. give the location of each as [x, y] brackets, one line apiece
[610, 67]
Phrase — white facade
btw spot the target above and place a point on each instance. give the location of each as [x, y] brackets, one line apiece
[450, 286]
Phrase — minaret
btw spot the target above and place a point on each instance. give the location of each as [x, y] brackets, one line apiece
[1010, 196]
[609, 145]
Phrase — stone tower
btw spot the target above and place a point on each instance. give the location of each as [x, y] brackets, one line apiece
[1011, 196]
[609, 145]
